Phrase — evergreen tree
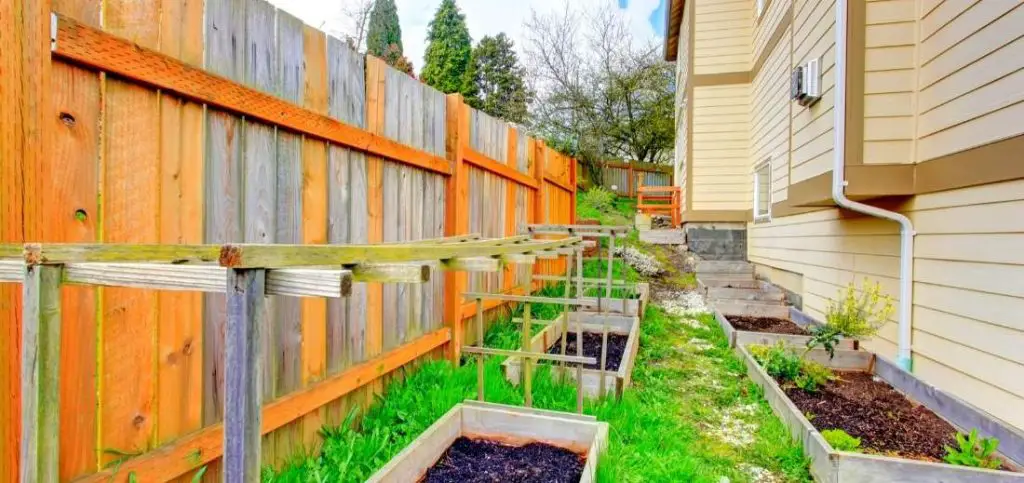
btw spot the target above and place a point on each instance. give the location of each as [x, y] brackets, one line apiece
[384, 36]
[384, 29]
[495, 82]
[448, 50]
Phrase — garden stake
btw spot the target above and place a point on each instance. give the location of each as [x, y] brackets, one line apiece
[604, 312]
[480, 342]
[527, 369]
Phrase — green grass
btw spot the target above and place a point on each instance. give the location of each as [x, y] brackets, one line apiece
[685, 418]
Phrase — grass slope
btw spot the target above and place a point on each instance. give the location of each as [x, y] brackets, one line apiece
[691, 414]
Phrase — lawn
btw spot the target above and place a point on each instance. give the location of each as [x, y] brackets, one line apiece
[691, 414]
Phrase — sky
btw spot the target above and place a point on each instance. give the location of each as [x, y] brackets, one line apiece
[483, 17]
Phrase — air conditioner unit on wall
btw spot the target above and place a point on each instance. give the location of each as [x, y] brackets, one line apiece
[805, 85]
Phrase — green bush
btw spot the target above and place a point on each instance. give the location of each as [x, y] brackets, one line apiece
[813, 376]
[973, 450]
[598, 198]
[841, 440]
[853, 316]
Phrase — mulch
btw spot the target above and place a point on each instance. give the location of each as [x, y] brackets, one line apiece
[478, 460]
[592, 348]
[766, 324]
[884, 420]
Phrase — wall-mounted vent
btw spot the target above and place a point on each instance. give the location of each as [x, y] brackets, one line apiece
[805, 85]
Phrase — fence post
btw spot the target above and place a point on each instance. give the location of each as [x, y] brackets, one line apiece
[456, 221]
[40, 367]
[631, 182]
[243, 375]
[539, 203]
[572, 195]
[510, 200]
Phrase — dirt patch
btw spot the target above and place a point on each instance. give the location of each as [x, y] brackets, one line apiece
[766, 324]
[884, 420]
[478, 460]
[592, 348]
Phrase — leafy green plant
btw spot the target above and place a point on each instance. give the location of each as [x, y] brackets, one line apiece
[598, 198]
[973, 450]
[780, 362]
[841, 440]
[812, 376]
[852, 316]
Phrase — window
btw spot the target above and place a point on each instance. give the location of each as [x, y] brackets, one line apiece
[763, 191]
[758, 8]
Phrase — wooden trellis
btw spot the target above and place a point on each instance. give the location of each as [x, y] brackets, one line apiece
[246, 273]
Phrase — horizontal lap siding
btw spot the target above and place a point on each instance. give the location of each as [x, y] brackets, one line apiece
[683, 82]
[813, 37]
[723, 33]
[971, 70]
[721, 164]
[968, 279]
[889, 81]
[765, 27]
[770, 106]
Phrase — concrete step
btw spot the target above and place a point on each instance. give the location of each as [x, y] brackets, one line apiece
[752, 309]
[724, 276]
[713, 266]
[663, 236]
[746, 294]
[719, 283]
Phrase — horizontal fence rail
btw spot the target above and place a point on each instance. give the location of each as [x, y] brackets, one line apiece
[222, 128]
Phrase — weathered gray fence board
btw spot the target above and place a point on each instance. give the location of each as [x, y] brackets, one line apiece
[225, 42]
[260, 154]
[40, 378]
[244, 342]
[287, 332]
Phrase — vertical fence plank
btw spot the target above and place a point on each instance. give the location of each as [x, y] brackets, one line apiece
[375, 91]
[314, 222]
[180, 332]
[130, 215]
[40, 368]
[225, 41]
[72, 210]
[244, 344]
[456, 219]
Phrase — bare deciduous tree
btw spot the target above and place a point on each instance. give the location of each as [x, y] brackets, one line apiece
[599, 95]
[358, 13]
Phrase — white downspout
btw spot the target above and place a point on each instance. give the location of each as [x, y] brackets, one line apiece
[839, 195]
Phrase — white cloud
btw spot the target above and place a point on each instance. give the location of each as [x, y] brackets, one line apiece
[483, 17]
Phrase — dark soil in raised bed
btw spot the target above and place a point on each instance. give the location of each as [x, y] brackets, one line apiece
[478, 460]
[884, 420]
[592, 348]
[766, 324]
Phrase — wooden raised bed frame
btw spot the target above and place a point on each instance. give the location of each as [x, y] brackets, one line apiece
[615, 381]
[744, 337]
[507, 424]
[831, 466]
[619, 306]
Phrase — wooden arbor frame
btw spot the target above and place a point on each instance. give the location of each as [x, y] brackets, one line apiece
[246, 273]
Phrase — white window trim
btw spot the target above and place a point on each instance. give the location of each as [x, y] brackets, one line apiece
[767, 216]
[758, 8]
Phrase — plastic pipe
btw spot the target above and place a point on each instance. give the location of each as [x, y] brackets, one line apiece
[903, 355]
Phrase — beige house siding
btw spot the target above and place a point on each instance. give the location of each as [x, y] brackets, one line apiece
[721, 147]
[971, 75]
[766, 25]
[968, 283]
[769, 116]
[813, 37]
[723, 36]
[889, 81]
[682, 118]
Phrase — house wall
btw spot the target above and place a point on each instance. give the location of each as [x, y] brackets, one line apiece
[721, 143]
[723, 35]
[813, 37]
[971, 72]
[683, 86]
[968, 283]
[770, 116]
[889, 81]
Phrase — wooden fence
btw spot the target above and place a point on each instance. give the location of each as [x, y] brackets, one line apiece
[626, 176]
[130, 127]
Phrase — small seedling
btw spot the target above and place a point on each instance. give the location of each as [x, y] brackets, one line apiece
[841, 440]
[973, 450]
[780, 362]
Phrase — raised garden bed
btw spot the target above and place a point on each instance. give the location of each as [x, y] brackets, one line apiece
[623, 342]
[900, 419]
[492, 442]
[632, 306]
[794, 330]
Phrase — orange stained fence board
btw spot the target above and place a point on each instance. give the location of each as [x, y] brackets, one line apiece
[375, 89]
[481, 161]
[510, 199]
[91, 47]
[206, 445]
[558, 183]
